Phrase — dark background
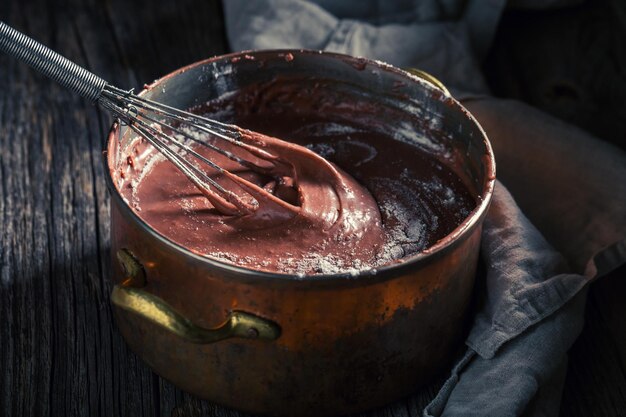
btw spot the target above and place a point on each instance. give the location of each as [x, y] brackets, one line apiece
[60, 352]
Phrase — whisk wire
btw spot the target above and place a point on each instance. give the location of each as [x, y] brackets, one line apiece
[225, 199]
[230, 133]
[221, 151]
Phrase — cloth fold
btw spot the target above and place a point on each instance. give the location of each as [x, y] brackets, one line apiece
[571, 186]
[525, 279]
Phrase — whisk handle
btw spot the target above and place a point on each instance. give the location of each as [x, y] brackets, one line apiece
[50, 63]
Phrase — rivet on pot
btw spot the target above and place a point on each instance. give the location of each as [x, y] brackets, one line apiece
[253, 333]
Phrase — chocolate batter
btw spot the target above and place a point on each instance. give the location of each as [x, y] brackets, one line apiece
[313, 217]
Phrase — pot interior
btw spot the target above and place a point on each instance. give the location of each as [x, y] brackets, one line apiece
[302, 83]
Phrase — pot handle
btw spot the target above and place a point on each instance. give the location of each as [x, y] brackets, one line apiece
[430, 79]
[130, 298]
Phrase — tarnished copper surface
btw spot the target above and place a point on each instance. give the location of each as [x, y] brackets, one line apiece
[346, 343]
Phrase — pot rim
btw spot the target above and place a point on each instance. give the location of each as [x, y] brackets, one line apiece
[386, 271]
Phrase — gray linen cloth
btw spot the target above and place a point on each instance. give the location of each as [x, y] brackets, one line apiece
[570, 185]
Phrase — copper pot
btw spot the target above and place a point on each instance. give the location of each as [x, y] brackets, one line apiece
[285, 345]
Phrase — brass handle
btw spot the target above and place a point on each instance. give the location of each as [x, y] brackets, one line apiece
[429, 78]
[237, 324]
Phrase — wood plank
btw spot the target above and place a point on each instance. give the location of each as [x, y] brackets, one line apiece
[596, 379]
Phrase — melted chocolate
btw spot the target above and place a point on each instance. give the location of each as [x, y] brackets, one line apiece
[396, 200]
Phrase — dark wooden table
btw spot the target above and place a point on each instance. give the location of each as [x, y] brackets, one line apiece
[60, 352]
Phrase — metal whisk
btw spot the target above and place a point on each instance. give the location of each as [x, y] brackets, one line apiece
[171, 131]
